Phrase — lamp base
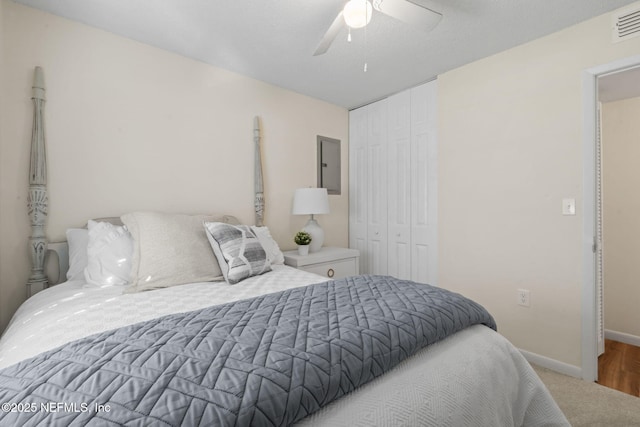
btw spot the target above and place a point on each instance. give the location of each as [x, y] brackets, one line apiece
[317, 234]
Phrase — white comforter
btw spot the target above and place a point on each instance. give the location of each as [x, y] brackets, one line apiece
[473, 378]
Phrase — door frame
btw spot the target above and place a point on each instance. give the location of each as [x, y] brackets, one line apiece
[589, 291]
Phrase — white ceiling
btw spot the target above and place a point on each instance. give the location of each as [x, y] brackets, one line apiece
[274, 40]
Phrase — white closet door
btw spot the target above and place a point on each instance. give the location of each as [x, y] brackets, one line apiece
[424, 179]
[358, 170]
[399, 185]
[377, 188]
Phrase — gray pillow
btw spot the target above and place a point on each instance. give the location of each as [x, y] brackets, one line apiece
[239, 252]
[170, 249]
[78, 240]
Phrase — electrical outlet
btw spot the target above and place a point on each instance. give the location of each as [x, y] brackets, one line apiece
[523, 297]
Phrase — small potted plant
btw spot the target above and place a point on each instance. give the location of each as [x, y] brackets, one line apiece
[302, 239]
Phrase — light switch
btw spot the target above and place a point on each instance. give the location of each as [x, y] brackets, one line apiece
[568, 206]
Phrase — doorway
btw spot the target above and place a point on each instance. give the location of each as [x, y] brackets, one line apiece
[592, 307]
[618, 204]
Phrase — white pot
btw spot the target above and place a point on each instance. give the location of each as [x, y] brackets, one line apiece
[303, 249]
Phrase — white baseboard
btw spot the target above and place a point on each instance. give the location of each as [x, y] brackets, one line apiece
[554, 365]
[622, 337]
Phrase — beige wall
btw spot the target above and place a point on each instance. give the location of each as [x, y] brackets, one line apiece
[131, 127]
[621, 215]
[510, 149]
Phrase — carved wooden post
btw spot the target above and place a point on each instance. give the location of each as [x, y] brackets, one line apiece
[37, 201]
[259, 191]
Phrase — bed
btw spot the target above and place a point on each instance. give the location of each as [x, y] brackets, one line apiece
[155, 325]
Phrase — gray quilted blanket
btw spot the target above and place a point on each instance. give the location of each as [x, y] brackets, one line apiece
[267, 361]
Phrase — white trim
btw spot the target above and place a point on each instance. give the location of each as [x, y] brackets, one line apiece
[554, 365]
[622, 337]
[589, 335]
[589, 319]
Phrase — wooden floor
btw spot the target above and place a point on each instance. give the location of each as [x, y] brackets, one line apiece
[619, 367]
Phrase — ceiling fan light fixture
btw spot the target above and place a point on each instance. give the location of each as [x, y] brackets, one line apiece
[357, 13]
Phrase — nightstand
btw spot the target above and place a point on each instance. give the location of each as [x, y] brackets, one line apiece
[333, 263]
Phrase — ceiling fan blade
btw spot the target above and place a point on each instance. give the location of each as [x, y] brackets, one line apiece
[330, 35]
[406, 11]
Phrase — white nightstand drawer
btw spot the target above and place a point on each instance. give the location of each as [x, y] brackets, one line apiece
[333, 270]
[334, 263]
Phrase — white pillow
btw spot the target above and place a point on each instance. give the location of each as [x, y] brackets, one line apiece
[170, 249]
[239, 252]
[270, 246]
[77, 239]
[109, 255]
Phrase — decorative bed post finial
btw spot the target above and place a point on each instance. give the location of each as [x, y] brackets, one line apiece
[259, 190]
[37, 201]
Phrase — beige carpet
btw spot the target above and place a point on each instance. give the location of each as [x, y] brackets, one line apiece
[590, 404]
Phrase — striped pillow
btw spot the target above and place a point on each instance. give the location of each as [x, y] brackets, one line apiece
[238, 250]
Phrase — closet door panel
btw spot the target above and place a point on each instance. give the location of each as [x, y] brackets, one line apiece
[424, 184]
[358, 170]
[421, 272]
[399, 185]
[377, 188]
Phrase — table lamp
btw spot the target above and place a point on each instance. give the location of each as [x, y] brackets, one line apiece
[312, 201]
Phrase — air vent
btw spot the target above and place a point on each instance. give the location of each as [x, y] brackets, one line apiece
[626, 24]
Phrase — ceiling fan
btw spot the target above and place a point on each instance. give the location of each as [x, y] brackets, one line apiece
[357, 14]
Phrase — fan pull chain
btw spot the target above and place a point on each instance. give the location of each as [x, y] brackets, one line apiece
[365, 41]
[349, 35]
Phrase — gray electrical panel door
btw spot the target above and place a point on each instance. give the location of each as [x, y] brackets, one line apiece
[329, 164]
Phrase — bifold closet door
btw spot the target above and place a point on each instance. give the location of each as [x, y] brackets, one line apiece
[393, 185]
[399, 185]
[377, 188]
[358, 188]
[424, 184]
[367, 186]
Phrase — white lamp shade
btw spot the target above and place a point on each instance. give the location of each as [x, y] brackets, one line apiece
[310, 201]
